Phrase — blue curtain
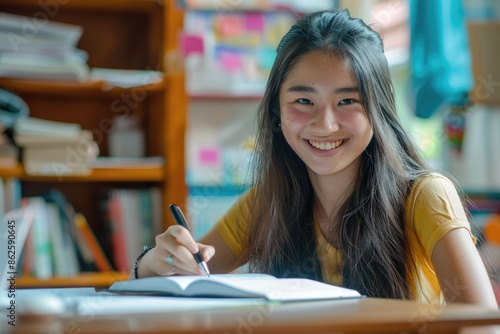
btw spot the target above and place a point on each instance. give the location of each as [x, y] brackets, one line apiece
[440, 58]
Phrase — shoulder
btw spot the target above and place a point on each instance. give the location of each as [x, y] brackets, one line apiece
[434, 208]
[433, 189]
[432, 183]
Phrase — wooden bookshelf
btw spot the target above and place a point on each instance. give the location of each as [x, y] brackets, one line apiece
[117, 34]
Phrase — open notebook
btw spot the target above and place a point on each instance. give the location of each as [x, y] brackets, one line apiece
[236, 286]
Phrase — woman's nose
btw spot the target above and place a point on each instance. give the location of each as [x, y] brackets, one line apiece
[326, 121]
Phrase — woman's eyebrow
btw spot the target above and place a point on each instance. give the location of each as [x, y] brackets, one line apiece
[300, 88]
[309, 89]
[347, 90]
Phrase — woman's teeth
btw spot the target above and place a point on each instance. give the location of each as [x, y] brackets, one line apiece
[325, 146]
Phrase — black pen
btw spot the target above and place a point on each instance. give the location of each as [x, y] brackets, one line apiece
[181, 220]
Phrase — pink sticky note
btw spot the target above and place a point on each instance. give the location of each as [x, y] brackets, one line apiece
[230, 61]
[191, 44]
[254, 22]
[230, 25]
[208, 156]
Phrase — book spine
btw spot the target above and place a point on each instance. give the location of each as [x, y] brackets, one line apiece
[84, 229]
[41, 239]
[118, 238]
[59, 253]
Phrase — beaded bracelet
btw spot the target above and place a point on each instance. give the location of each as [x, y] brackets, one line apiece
[136, 264]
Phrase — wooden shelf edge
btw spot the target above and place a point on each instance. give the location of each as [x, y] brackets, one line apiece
[15, 171]
[99, 88]
[95, 279]
[154, 174]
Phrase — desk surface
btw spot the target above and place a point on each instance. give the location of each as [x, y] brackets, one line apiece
[346, 316]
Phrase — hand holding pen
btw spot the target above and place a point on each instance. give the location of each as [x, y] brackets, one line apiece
[181, 220]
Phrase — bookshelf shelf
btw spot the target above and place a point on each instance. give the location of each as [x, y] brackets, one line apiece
[125, 174]
[91, 279]
[90, 88]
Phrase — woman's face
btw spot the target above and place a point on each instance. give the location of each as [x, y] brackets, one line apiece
[322, 118]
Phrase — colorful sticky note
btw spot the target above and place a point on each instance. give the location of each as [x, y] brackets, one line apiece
[208, 156]
[254, 22]
[191, 44]
[230, 25]
[231, 61]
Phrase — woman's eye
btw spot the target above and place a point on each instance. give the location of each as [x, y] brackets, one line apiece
[304, 101]
[346, 101]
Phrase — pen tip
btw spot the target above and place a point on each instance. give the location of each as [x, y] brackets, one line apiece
[205, 268]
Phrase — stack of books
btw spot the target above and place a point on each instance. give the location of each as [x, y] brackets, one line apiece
[52, 148]
[35, 49]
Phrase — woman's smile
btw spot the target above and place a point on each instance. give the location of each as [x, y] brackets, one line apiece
[325, 146]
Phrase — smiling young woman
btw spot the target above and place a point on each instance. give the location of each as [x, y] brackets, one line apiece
[340, 192]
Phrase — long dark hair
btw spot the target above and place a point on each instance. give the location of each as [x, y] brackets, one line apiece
[371, 233]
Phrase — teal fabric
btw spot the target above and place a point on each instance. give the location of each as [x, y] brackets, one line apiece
[440, 57]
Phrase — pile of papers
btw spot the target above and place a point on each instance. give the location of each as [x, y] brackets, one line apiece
[35, 49]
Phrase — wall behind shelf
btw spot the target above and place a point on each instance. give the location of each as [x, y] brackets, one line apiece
[219, 128]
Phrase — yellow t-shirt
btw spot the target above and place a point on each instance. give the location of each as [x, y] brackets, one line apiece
[432, 209]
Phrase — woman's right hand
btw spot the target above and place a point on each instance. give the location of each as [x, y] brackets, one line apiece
[173, 254]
